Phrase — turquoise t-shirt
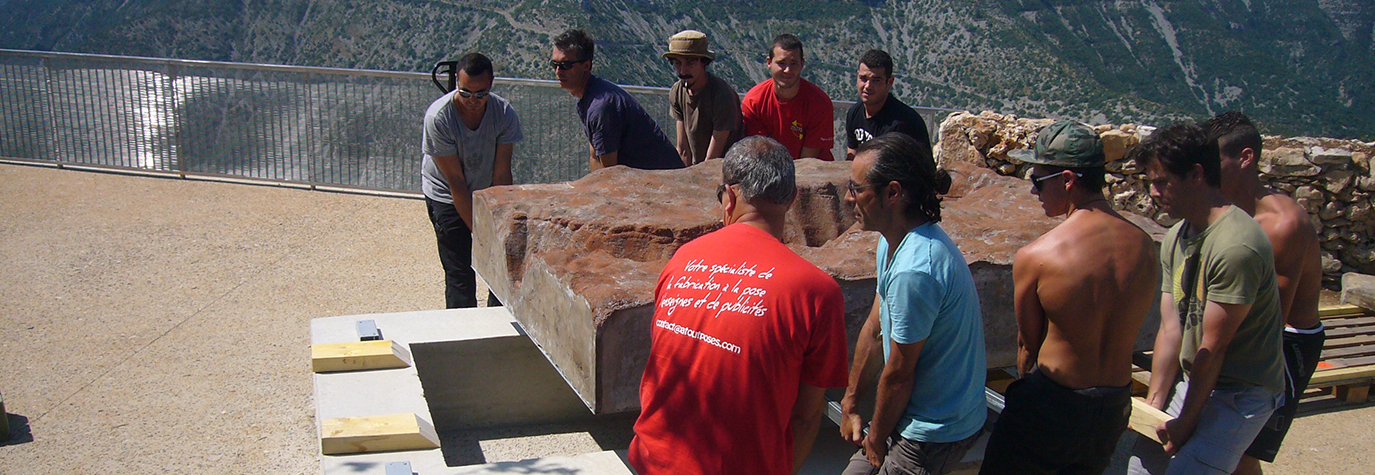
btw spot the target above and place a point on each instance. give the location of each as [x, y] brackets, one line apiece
[929, 294]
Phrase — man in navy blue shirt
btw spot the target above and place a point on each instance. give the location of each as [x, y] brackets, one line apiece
[619, 132]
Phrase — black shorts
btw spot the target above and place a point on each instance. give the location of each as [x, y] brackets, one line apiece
[1302, 349]
[1049, 428]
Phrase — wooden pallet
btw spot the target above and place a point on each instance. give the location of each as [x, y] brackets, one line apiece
[1348, 356]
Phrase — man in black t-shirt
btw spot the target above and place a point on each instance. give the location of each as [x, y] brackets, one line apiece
[877, 111]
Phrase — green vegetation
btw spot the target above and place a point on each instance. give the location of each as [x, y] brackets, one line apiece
[1285, 62]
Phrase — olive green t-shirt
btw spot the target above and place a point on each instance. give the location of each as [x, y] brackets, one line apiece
[1230, 262]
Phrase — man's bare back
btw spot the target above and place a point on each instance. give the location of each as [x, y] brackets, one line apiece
[1087, 285]
[1298, 264]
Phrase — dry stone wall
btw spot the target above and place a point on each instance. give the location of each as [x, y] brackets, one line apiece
[1331, 178]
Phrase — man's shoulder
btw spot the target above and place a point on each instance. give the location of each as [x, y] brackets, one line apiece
[760, 92]
[854, 116]
[440, 107]
[720, 86]
[1281, 216]
[810, 91]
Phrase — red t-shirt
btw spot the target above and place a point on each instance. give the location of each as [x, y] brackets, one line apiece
[739, 321]
[805, 121]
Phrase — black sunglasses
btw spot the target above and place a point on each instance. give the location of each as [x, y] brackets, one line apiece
[1036, 180]
[480, 94]
[565, 65]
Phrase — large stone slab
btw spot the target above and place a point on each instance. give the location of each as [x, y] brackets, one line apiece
[1359, 290]
[577, 262]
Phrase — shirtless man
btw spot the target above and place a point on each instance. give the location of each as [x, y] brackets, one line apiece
[1298, 268]
[1081, 293]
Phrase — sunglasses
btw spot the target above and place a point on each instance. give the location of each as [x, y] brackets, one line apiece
[565, 65]
[854, 189]
[1036, 180]
[720, 191]
[480, 94]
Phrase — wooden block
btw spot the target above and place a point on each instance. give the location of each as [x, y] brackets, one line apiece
[1331, 376]
[353, 435]
[1354, 393]
[999, 379]
[1339, 311]
[1359, 290]
[358, 355]
[1146, 418]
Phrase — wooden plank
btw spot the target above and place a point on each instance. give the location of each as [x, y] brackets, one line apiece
[354, 435]
[1330, 376]
[998, 380]
[1350, 331]
[1337, 311]
[1146, 418]
[1349, 341]
[358, 355]
[1348, 322]
[1336, 353]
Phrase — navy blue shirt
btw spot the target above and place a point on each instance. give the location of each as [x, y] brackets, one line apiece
[615, 122]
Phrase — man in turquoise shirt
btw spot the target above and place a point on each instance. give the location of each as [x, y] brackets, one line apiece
[926, 320]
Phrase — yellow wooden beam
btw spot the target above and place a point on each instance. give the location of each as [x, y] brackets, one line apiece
[358, 355]
[1343, 310]
[1341, 374]
[353, 435]
[1146, 418]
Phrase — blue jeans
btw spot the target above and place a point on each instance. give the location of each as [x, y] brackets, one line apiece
[1230, 421]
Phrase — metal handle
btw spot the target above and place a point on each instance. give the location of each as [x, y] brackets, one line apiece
[451, 69]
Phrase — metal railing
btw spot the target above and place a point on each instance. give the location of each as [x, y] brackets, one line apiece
[319, 126]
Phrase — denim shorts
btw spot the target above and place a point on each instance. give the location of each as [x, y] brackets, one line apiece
[1230, 421]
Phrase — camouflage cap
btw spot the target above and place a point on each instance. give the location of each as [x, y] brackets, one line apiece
[1066, 144]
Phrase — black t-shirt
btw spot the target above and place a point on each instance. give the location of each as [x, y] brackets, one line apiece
[893, 117]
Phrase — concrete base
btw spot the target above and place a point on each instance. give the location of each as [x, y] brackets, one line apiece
[483, 383]
[1359, 290]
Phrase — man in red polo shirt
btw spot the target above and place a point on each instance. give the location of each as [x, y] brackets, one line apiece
[790, 109]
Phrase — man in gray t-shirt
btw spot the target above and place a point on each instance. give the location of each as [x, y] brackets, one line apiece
[468, 140]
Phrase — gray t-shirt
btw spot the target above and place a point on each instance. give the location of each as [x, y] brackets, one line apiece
[446, 136]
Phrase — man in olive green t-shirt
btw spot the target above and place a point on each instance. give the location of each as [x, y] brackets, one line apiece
[1220, 319]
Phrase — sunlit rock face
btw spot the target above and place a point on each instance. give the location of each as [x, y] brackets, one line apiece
[577, 262]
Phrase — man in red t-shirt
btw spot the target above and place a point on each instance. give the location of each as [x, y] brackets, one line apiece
[788, 108]
[745, 338]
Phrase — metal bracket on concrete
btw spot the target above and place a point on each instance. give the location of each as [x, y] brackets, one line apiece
[399, 468]
[367, 330]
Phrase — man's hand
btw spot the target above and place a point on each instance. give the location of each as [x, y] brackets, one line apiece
[852, 428]
[875, 449]
[1174, 433]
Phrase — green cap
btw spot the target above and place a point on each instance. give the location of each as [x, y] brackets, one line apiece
[1064, 144]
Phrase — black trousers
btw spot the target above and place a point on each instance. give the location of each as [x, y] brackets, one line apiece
[1047, 428]
[455, 254]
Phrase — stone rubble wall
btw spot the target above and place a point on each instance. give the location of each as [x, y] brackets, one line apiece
[1331, 178]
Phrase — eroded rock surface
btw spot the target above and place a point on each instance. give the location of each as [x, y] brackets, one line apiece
[577, 262]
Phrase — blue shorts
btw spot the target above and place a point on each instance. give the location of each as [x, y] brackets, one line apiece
[1230, 421]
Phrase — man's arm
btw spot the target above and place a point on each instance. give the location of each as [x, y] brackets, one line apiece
[501, 164]
[1220, 323]
[1031, 317]
[806, 421]
[851, 425]
[809, 152]
[849, 154]
[603, 161]
[717, 148]
[1165, 354]
[1296, 260]
[684, 152]
[893, 393]
[452, 169]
